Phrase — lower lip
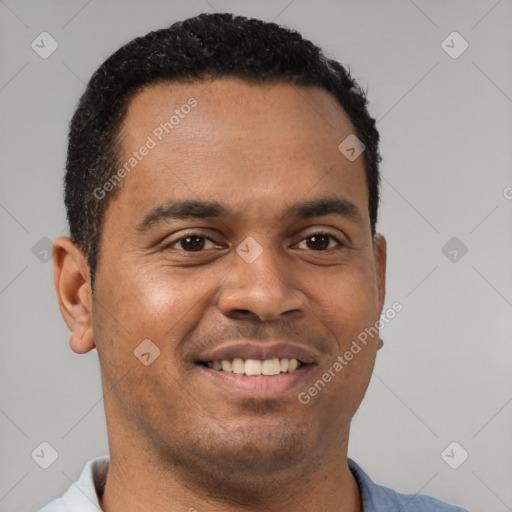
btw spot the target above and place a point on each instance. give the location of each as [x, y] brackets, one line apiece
[266, 387]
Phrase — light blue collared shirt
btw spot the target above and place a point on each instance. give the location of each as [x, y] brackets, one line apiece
[82, 496]
[377, 498]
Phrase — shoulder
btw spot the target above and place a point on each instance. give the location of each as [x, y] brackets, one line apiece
[378, 498]
[82, 495]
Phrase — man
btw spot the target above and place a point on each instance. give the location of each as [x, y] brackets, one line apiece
[222, 192]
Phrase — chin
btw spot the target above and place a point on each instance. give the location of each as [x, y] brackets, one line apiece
[259, 449]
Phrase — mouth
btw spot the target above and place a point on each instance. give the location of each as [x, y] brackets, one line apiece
[258, 370]
[255, 367]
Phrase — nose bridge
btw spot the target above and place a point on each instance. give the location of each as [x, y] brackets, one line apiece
[259, 283]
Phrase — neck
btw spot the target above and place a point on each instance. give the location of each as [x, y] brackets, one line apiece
[139, 478]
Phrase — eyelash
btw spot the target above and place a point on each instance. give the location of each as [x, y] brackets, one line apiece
[311, 235]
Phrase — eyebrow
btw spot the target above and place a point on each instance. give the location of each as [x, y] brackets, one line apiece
[190, 209]
[184, 209]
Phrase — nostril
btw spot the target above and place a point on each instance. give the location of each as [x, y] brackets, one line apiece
[241, 313]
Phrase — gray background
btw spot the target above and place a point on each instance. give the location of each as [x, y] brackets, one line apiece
[444, 373]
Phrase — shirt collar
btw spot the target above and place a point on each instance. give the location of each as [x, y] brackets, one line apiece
[84, 494]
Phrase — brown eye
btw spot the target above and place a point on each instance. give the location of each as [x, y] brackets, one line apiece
[320, 242]
[192, 243]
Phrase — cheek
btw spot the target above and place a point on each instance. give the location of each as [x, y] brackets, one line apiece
[160, 306]
[350, 310]
[347, 301]
[154, 302]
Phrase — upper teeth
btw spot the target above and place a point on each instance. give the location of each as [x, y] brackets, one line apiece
[255, 367]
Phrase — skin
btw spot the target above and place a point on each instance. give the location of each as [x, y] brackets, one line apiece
[179, 441]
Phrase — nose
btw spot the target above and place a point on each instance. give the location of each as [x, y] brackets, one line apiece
[264, 289]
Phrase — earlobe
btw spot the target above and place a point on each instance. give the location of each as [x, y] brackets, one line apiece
[84, 342]
[73, 289]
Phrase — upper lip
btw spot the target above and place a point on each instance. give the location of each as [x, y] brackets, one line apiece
[260, 350]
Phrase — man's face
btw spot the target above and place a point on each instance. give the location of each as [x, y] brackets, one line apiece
[259, 268]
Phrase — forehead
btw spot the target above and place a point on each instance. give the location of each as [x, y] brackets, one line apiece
[224, 107]
[247, 144]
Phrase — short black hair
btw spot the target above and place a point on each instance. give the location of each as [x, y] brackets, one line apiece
[199, 48]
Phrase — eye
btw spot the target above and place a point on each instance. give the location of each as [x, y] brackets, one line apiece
[192, 243]
[320, 242]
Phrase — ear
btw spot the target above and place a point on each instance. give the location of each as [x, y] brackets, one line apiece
[380, 254]
[73, 288]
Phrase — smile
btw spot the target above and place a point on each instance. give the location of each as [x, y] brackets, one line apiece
[255, 367]
[251, 369]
